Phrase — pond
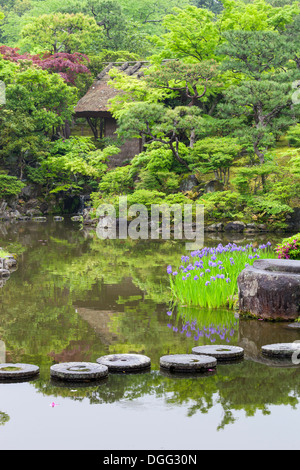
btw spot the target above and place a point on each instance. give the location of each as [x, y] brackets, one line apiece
[75, 297]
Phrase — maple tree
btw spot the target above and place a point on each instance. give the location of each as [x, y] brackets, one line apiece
[68, 66]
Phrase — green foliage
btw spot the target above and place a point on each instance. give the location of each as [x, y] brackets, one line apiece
[222, 205]
[117, 181]
[265, 209]
[145, 197]
[218, 110]
[217, 155]
[10, 186]
[293, 136]
[295, 164]
[60, 33]
[74, 164]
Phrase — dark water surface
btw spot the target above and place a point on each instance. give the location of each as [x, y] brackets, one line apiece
[75, 298]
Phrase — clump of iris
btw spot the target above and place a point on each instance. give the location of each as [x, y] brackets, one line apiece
[208, 277]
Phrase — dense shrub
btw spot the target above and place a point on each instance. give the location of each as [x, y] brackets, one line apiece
[293, 136]
[289, 248]
[10, 186]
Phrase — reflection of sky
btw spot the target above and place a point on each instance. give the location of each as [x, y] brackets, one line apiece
[212, 331]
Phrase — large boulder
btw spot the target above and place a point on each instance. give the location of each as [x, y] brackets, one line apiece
[188, 183]
[235, 226]
[214, 186]
[270, 289]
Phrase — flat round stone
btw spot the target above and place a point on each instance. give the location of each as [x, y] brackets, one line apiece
[188, 362]
[77, 371]
[125, 362]
[220, 351]
[281, 349]
[17, 371]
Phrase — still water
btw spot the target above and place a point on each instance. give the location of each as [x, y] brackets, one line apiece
[74, 297]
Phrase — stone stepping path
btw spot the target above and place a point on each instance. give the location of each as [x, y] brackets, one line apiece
[281, 349]
[220, 352]
[188, 362]
[78, 371]
[125, 362]
[17, 371]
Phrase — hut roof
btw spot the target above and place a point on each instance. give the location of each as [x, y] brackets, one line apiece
[95, 102]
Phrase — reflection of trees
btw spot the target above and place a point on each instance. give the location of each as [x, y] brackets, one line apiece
[244, 386]
[60, 270]
[4, 418]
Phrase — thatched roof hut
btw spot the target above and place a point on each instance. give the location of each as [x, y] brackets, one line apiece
[95, 102]
[94, 106]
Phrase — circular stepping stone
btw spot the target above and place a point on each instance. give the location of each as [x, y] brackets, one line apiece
[220, 352]
[77, 371]
[18, 371]
[281, 349]
[125, 362]
[188, 362]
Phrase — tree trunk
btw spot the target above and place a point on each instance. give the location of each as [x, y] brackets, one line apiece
[192, 138]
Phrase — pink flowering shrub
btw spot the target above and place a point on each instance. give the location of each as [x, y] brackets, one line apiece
[289, 248]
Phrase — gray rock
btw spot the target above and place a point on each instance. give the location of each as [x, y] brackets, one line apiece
[220, 351]
[281, 349]
[262, 227]
[18, 371]
[219, 227]
[78, 371]
[125, 362]
[294, 220]
[39, 219]
[189, 183]
[4, 273]
[24, 218]
[235, 226]
[9, 262]
[270, 289]
[213, 186]
[188, 362]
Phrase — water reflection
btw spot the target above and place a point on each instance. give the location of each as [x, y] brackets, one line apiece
[211, 325]
[74, 298]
